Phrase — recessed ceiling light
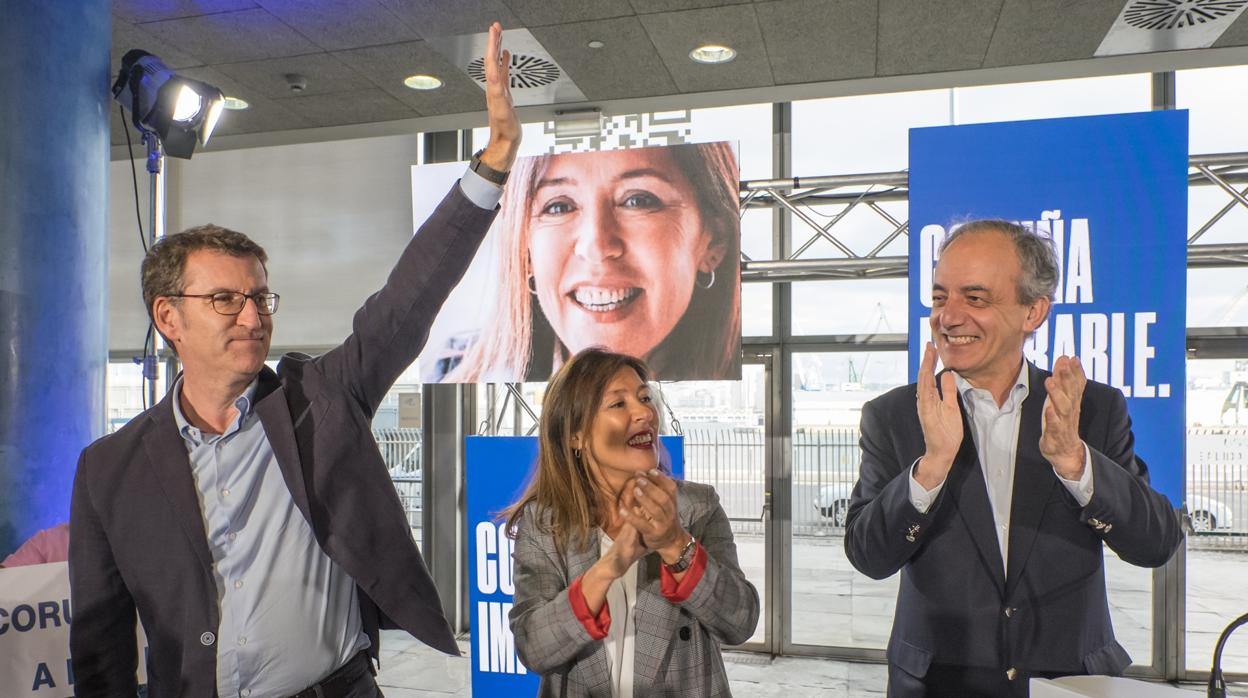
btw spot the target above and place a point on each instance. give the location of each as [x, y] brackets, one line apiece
[236, 103]
[595, 44]
[422, 82]
[712, 53]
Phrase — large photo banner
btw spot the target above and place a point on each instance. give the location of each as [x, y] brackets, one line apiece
[1111, 193]
[634, 250]
[497, 469]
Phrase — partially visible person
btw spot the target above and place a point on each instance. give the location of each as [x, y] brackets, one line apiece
[248, 517]
[626, 580]
[995, 486]
[636, 251]
[48, 545]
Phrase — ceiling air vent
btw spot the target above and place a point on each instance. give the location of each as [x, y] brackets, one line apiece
[535, 76]
[1164, 14]
[526, 71]
[1145, 26]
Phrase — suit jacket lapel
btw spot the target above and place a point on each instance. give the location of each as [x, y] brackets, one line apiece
[275, 415]
[1034, 479]
[966, 483]
[166, 455]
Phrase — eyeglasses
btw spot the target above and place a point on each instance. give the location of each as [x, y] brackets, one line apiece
[232, 302]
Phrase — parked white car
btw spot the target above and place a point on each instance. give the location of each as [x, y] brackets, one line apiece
[1208, 514]
[832, 502]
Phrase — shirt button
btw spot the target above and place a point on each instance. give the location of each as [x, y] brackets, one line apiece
[225, 493]
[207, 639]
[238, 584]
[242, 640]
[246, 692]
[233, 536]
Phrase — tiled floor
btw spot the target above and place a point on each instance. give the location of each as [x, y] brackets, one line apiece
[412, 670]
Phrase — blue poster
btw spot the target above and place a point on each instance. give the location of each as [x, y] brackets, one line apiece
[1111, 192]
[497, 471]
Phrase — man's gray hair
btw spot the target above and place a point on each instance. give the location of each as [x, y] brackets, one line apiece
[1036, 256]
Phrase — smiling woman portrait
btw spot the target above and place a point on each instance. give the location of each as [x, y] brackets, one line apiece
[626, 580]
[633, 250]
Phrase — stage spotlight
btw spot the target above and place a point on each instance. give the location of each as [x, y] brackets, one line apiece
[180, 111]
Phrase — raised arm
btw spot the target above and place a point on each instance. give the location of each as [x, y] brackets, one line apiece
[391, 328]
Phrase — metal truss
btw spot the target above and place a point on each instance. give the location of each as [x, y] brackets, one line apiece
[804, 197]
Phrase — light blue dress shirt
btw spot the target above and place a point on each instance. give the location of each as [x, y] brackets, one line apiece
[290, 616]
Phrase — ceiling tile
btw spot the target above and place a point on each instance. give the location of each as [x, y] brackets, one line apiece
[127, 36]
[628, 66]
[232, 36]
[1236, 34]
[340, 24]
[442, 18]
[324, 74]
[1047, 31]
[388, 65]
[675, 34]
[357, 107]
[934, 35]
[651, 6]
[818, 40]
[154, 10]
[536, 13]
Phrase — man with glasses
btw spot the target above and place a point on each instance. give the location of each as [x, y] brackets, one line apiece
[248, 517]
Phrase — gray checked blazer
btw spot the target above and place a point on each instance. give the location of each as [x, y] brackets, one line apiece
[677, 646]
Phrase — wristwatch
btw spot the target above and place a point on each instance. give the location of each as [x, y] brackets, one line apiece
[491, 174]
[686, 557]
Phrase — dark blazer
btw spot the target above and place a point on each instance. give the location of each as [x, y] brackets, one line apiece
[956, 605]
[137, 536]
[677, 647]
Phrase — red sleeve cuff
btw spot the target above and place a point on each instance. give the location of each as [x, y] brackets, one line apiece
[596, 626]
[679, 592]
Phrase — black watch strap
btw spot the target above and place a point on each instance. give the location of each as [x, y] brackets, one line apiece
[489, 173]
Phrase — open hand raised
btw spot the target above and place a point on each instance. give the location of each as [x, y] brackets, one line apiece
[941, 420]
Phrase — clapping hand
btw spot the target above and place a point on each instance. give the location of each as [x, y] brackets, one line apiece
[1059, 430]
[649, 505]
[626, 548]
[941, 420]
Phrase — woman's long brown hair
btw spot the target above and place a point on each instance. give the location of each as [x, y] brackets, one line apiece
[562, 486]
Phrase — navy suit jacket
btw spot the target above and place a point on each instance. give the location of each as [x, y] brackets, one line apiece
[956, 605]
[137, 537]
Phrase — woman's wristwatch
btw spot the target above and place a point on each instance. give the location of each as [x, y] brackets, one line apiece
[686, 557]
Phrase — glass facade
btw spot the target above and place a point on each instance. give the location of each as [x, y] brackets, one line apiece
[780, 445]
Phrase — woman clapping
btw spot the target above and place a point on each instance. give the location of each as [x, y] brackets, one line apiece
[627, 581]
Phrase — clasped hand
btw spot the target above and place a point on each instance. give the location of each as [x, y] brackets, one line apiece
[647, 507]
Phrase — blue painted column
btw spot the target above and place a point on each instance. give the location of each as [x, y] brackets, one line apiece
[53, 253]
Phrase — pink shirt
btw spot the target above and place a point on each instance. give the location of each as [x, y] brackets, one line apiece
[48, 545]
